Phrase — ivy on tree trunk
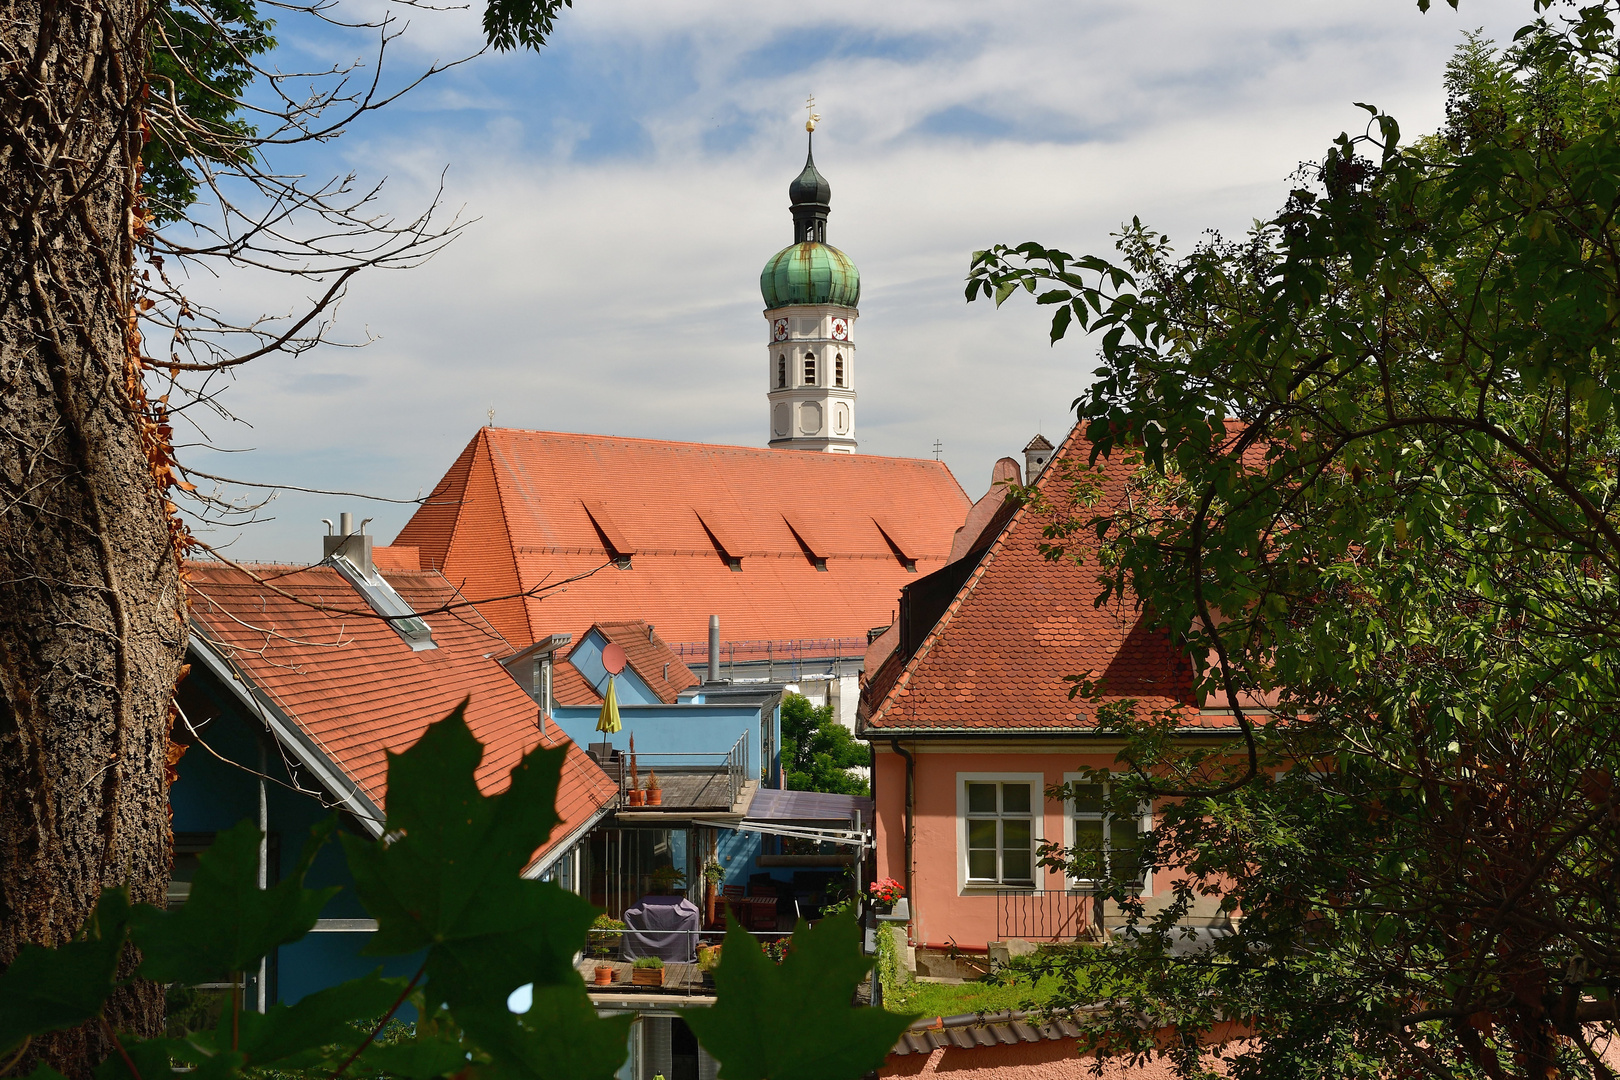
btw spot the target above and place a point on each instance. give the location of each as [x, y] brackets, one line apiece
[92, 627]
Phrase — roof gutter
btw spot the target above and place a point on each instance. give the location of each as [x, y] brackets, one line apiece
[287, 732]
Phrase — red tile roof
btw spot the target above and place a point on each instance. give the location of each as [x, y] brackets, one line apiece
[357, 690]
[396, 558]
[569, 687]
[524, 510]
[998, 658]
[659, 666]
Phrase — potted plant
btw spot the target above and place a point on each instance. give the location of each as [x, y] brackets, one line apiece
[647, 971]
[668, 880]
[635, 796]
[601, 943]
[884, 892]
[708, 957]
[713, 875]
[655, 790]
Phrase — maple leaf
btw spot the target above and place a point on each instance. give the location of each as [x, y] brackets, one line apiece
[449, 877]
[826, 1037]
[48, 989]
[228, 923]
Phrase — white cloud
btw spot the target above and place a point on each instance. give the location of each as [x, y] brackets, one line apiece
[617, 291]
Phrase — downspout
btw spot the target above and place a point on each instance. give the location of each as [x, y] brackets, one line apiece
[911, 800]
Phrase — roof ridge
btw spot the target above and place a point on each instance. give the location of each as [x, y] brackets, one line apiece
[985, 561]
[509, 548]
[759, 450]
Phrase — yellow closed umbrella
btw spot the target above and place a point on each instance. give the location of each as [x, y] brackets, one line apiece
[608, 721]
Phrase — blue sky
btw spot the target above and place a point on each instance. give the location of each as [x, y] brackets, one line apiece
[625, 185]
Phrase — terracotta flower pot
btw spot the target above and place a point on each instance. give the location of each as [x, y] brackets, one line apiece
[636, 798]
[655, 796]
[604, 976]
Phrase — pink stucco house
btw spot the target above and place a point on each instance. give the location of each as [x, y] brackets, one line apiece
[967, 708]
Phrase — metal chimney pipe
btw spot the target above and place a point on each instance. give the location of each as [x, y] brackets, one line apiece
[345, 524]
[714, 648]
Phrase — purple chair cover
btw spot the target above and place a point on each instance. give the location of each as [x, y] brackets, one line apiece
[661, 926]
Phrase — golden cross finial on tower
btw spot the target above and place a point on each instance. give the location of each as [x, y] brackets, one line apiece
[815, 117]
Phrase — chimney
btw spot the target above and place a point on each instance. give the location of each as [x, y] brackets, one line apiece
[345, 541]
[714, 648]
[1036, 455]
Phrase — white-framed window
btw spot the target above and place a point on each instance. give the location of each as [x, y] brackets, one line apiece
[809, 369]
[1091, 824]
[999, 826]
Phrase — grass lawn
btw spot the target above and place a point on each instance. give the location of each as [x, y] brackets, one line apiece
[950, 999]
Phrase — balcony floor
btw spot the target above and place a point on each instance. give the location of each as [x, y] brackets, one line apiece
[678, 979]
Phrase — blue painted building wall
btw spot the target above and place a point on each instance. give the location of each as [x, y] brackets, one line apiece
[211, 795]
[671, 729]
[628, 687]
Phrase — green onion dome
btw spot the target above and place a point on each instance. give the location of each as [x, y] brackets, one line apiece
[810, 273]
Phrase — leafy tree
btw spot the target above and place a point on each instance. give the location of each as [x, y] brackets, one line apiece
[818, 751]
[1375, 456]
[129, 142]
[447, 888]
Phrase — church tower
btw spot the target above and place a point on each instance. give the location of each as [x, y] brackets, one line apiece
[811, 290]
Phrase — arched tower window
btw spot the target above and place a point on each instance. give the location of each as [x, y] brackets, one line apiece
[781, 372]
[838, 370]
[809, 369]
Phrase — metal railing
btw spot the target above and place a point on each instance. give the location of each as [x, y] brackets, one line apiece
[793, 655]
[732, 763]
[681, 977]
[1043, 914]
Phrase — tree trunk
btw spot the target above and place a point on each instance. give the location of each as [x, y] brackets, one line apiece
[91, 616]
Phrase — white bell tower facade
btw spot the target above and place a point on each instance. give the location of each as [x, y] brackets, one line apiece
[812, 373]
[811, 292]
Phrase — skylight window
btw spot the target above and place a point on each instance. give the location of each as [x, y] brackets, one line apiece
[386, 602]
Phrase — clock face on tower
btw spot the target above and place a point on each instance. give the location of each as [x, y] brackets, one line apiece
[840, 329]
[779, 331]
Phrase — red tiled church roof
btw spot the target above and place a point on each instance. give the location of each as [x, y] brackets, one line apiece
[357, 690]
[521, 510]
[998, 659]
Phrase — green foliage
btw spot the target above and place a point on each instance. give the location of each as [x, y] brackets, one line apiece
[452, 883]
[199, 63]
[202, 57]
[510, 23]
[979, 995]
[1365, 464]
[48, 989]
[779, 1020]
[650, 962]
[818, 751]
[606, 933]
[234, 922]
[893, 978]
[446, 885]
